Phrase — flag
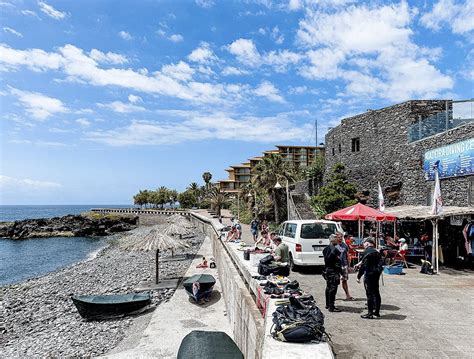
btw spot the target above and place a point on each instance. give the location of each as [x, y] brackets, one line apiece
[381, 200]
[437, 205]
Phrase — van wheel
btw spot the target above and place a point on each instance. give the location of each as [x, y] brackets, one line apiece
[293, 266]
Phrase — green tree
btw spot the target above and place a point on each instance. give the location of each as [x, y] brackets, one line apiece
[270, 170]
[217, 199]
[142, 198]
[161, 196]
[173, 196]
[187, 199]
[207, 176]
[337, 193]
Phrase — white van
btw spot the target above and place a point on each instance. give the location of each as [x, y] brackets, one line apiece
[306, 240]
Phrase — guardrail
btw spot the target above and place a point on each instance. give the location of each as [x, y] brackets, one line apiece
[140, 211]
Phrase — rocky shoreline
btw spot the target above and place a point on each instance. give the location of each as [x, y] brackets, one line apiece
[87, 225]
[38, 318]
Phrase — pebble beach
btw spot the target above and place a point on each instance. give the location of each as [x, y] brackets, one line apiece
[38, 318]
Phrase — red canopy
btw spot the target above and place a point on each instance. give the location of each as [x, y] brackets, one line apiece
[360, 212]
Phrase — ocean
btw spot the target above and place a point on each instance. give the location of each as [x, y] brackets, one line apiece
[24, 259]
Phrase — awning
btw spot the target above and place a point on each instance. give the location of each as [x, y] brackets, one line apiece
[424, 212]
[360, 212]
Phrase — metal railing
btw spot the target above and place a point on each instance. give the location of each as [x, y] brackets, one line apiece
[458, 114]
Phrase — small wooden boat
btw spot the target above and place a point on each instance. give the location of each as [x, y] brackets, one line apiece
[109, 306]
[208, 345]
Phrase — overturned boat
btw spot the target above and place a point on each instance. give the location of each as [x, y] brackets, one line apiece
[109, 306]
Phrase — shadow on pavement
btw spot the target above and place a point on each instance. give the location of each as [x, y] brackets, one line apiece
[389, 307]
[350, 309]
[393, 317]
[215, 297]
[310, 270]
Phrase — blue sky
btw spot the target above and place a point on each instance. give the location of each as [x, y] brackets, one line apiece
[102, 98]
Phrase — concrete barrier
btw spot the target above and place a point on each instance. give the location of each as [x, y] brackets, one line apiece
[140, 211]
[246, 321]
[249, 310]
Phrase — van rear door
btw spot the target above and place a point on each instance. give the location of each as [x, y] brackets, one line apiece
[315, 236]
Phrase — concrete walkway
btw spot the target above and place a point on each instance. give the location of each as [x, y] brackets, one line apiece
[173, 320]
[422, 316]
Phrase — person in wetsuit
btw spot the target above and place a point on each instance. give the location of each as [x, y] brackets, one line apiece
[371, 267]
[332, 273]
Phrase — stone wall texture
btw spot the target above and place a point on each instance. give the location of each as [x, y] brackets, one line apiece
[386, 156]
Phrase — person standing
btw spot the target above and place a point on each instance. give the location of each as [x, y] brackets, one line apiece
[332, 273]
[254, 228]
[344, 249]
[371, 268]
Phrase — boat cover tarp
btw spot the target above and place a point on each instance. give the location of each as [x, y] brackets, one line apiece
[206, 282]
[208, 345]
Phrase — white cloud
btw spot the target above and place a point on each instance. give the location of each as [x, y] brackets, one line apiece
[38, 105]
[277, 36]
[231, 71]
[199, 126]
[180, 71]
[10, 183]
[51, 11]
[205, 3]
[134, 99]
[371, 49]
[121, 107]
[30, 13]
[12, 31]
[302, 90]
[262, 31]
[83, 122]
[459, 16]
[247, 53]
[108, 57]
[203, 54]
[77, 66]
[268, 90]
[176, 38]
[125, 35]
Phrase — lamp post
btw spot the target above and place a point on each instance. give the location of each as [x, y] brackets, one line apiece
[278, 186]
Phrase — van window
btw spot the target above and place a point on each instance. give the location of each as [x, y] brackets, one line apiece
[290, 230]
[317, 230]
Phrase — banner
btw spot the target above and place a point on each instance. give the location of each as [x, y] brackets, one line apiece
[455, 160]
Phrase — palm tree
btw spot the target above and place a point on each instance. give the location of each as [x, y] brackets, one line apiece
[270, 170]
[218, 199]
[207, 176]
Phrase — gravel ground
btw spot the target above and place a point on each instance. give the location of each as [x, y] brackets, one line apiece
[38, 318]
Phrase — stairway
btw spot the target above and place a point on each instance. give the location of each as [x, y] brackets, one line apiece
[302, 207]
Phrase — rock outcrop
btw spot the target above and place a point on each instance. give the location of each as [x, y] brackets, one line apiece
[67, 226]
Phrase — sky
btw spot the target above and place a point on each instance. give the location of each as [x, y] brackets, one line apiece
[99, 99]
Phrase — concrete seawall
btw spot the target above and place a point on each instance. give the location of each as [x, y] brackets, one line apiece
[249, 310]
[246, 321]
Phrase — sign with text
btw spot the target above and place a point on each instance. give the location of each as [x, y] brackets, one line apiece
[455, 160]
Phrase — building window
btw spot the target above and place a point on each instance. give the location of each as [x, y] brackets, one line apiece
[340, 149]
[355, 144]
[333, 152]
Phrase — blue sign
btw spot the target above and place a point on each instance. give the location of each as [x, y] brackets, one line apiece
[454, 160]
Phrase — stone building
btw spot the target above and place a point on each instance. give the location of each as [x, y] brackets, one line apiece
[392, 146]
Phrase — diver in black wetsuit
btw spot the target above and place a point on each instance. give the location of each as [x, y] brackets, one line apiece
[332, 273]
[371, 268]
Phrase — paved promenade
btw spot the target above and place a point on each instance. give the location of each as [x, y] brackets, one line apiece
[422, 316]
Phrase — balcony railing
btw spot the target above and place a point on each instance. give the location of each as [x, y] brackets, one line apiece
[461, 112]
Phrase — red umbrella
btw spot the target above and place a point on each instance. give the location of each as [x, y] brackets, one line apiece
[359, 212]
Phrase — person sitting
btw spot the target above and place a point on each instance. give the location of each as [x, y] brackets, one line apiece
[203, 264]
[264, 239]
[281, 256]
[233, 234]
[201, 296]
